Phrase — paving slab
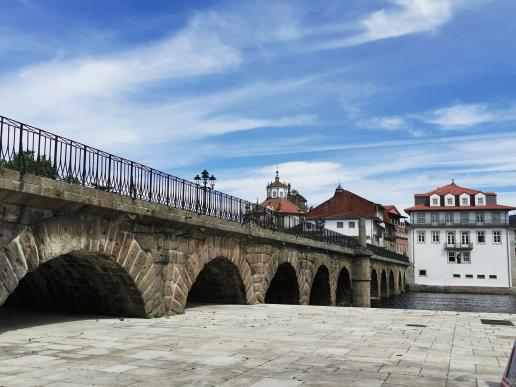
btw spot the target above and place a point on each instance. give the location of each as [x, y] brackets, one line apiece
[259, 345]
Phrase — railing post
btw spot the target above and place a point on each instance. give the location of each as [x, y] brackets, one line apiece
[150, 185]
[55, 156]
[20, 151]
[131, 184]
[109, 173]
[83, 167]
[2, 137]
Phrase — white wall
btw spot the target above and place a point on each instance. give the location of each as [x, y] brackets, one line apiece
[487, 259]
[346, 230]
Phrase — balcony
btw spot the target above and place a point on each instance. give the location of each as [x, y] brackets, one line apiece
[458, 246]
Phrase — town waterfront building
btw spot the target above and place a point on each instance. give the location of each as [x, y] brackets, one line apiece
[341, 213]
[460, 237]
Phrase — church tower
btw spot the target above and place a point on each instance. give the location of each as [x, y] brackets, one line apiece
[277, 189]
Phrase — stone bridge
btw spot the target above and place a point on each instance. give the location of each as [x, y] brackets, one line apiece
[65, 247]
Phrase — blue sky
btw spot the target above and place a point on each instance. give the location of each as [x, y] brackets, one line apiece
[389, 98]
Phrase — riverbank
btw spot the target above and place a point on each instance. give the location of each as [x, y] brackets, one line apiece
[260, 345]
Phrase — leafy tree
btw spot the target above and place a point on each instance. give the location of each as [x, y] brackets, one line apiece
[26, 162]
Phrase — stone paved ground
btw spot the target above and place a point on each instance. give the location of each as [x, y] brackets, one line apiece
[261, 345]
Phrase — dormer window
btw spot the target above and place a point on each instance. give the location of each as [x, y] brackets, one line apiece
[449, 201]
[464, 201]
[434, 201]
[480, 201]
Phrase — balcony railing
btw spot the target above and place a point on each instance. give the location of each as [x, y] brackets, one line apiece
[459, 246]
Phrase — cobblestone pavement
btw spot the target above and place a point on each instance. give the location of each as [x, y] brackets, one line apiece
[261, 345]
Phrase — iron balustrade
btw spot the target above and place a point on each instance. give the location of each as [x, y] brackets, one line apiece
[32, 150]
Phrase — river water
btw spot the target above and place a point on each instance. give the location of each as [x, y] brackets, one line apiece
[457, 302]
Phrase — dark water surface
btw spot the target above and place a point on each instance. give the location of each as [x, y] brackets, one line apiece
[457, 302]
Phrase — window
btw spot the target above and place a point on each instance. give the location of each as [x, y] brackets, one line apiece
[421, 217]
[480, 201]
[274, 194]
[451, 256]
[469, 275]
[464, 201]
[449, 201]
[422, 273]
[464, 217]
[497, 238]
[281, 194]
[435, 217]
[495, 217]
[493, 276]
[464, 237]
[449, 217]
[466, 258]
[481, 237]
[420, 237]
[456, 276]
[480, 217]
[451, 238]
[435, 236]
[481, 276]
[351, 224]
[340, 224]
[435, 201]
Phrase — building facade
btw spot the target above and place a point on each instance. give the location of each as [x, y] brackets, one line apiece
[460, 237]
[395, 237]
[342, 212]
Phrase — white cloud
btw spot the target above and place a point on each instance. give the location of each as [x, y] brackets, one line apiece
[388, 123]
[404, 17]
[461, 116]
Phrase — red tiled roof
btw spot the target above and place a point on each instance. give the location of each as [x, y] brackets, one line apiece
[453, 189]
[422, 207]
[343, 205]
[391, 209]
[282, 205]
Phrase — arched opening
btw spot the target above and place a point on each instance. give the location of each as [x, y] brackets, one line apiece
[218, 283]
[384, 291]
[88, 284]
[374, 285]
[392, 284]
[320, 293]
[283, 288]
[344, 295]
[400, 282]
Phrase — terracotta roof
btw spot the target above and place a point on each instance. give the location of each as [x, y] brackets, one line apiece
[282, 205]
[453, 189]
[391, 209]
[422, 207]
[344, 205]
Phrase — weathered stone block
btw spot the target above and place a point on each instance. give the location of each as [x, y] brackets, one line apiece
[7, 276]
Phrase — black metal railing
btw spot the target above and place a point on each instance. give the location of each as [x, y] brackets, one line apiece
[383, 252]
[32, 150]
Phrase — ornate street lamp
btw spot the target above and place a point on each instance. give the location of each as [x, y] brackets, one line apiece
[206, 179]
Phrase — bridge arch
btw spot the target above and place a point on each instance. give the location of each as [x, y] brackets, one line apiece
[214, 260]
[320, 293]
[392, 284]
[375, 294]
[284, 286]
[384, 290]
[344, 293]
[78, 264]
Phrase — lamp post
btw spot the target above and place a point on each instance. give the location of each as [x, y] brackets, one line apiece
[208, 183]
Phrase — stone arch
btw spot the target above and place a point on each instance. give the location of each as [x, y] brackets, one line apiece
[344, 293]
[218, 282]
[180, 277]
[78, 251]
[320, 293]
[384, 290]
[392, 284]
[375, 294]
[284, 286]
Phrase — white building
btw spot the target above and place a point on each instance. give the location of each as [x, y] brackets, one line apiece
[460, 237]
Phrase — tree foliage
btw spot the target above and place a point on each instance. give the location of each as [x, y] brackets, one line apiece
[26, 162]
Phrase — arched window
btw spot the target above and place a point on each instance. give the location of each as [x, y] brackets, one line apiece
[274, 193]
[281, 194]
